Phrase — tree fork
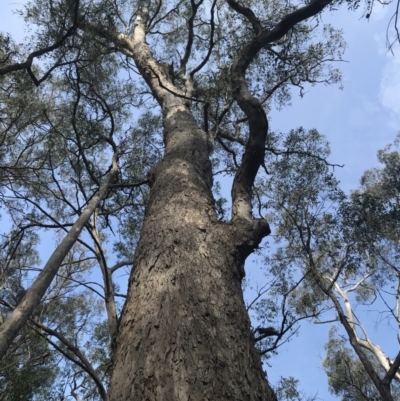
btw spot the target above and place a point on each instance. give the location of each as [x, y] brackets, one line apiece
[185, 332]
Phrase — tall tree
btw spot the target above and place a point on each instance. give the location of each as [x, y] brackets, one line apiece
[347, 376]
[336, 253]
[184, 331]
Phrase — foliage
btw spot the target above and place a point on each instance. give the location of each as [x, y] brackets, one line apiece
[29, 369]
[333, 252]
[287, 390]
[346, 374]
[74, 100]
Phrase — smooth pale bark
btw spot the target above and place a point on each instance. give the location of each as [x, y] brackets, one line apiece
[347, 321]
[109, 295]
[184, 331]
[382, 387]
[24, 310]
[366, 343]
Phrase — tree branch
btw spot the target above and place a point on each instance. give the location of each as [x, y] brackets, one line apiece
[27, 64]
[188, 50]
[393, 371]
[18, 318]
[252, 107]
[83, 361]
[247, 13]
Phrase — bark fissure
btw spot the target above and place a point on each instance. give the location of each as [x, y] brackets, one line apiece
[185, 332]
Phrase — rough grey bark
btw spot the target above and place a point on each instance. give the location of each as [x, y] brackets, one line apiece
[185, 333]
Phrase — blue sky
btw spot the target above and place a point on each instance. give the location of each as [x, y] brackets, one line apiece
[365, 115]
[358, 120]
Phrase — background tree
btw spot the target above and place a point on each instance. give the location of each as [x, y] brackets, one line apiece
[286, 390]
[335, 253]
[346, 374]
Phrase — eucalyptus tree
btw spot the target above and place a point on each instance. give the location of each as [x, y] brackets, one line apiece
[370, 221]
[45, 186]
[200, 79]
[337, 252]
[347, 376]
[45, 359]
[286, 390]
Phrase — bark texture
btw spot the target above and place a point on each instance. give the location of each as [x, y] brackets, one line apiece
[185, 332]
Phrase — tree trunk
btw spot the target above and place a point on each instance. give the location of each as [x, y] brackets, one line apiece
[184, 332]
[14, 323]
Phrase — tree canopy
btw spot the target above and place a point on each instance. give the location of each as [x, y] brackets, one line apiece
[119, 121]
